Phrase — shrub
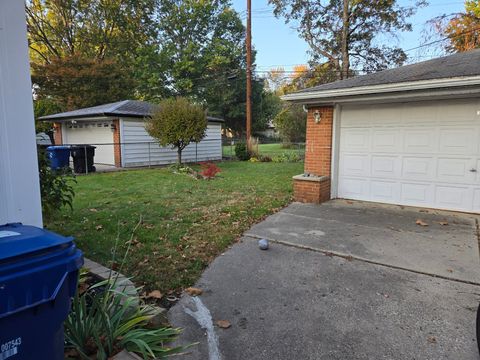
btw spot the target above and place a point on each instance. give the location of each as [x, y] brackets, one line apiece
[291, 122]
[286, 157]
[177, 122]
[56, 187]
[242, 152]
[209, 170]
[181, 169]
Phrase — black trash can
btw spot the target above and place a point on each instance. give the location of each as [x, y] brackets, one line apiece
[38, 278]
[83, 156]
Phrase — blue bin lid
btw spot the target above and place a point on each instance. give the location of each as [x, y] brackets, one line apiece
[19, 240]
[35, 265]
[58, 147]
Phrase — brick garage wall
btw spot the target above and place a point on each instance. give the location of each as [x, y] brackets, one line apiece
[57, 134]
[318, 150]
[308, 190]
[117, 151]
[318, 158]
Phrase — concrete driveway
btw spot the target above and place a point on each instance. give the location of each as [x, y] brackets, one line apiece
[343, 280]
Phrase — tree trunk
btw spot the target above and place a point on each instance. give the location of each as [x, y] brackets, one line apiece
[346, 28]
[179, 155]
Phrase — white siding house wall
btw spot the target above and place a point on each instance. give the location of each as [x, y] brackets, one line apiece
[19, 183]
[140, 149]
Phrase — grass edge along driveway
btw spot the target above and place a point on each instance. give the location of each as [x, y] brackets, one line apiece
[186, 223]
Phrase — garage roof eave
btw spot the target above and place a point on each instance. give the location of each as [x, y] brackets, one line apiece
[432, 86]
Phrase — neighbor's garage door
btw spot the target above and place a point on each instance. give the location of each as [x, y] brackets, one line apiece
[98, 134]
[422, 155]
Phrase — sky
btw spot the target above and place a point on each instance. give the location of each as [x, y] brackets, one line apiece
[277, 44]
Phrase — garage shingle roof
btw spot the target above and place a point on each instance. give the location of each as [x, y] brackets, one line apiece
[452, 66]
[126, 108]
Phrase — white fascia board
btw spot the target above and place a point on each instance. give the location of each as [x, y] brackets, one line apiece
[411, 96]
[98, 118]
[385, 88]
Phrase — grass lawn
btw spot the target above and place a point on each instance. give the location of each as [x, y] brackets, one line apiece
[186, 222]
[268, 149]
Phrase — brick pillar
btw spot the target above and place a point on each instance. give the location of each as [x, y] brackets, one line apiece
[315, 187]
[57, 134]
[117, 152]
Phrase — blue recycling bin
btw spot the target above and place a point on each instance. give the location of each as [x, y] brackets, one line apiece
[59, 157]
[38, 278]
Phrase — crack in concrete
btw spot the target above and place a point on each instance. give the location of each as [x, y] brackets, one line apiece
[350, 257]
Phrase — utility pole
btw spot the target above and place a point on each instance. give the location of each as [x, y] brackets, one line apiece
[249, 71]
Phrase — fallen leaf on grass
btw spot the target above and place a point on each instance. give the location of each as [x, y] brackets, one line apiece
[421, 222]
[93, 210]
[99, 227]
[194, 291]
[224, 324]
[155, 294]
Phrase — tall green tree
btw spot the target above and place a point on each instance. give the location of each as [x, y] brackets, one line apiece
[202, 42]
[346, 33]
[203, 45]
[94, 44]
[96, 29]
[75, 82]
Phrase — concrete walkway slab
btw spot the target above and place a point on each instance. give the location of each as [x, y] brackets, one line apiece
[288, 303]
[381, 233]
[400, 291]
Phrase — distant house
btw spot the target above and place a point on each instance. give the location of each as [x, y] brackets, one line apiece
[270, 131]
[118, 132]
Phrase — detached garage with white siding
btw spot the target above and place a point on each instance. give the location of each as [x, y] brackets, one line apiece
[117, 130]
[407, 136]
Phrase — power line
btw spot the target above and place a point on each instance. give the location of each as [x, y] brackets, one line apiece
[443, 39]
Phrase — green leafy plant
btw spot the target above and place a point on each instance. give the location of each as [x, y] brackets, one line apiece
[104, 320]
[181, 169]
[55, 186]
[242, 152]
[287, 157]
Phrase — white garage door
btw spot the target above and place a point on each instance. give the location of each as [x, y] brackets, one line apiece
[98, 134]
[421, 155]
